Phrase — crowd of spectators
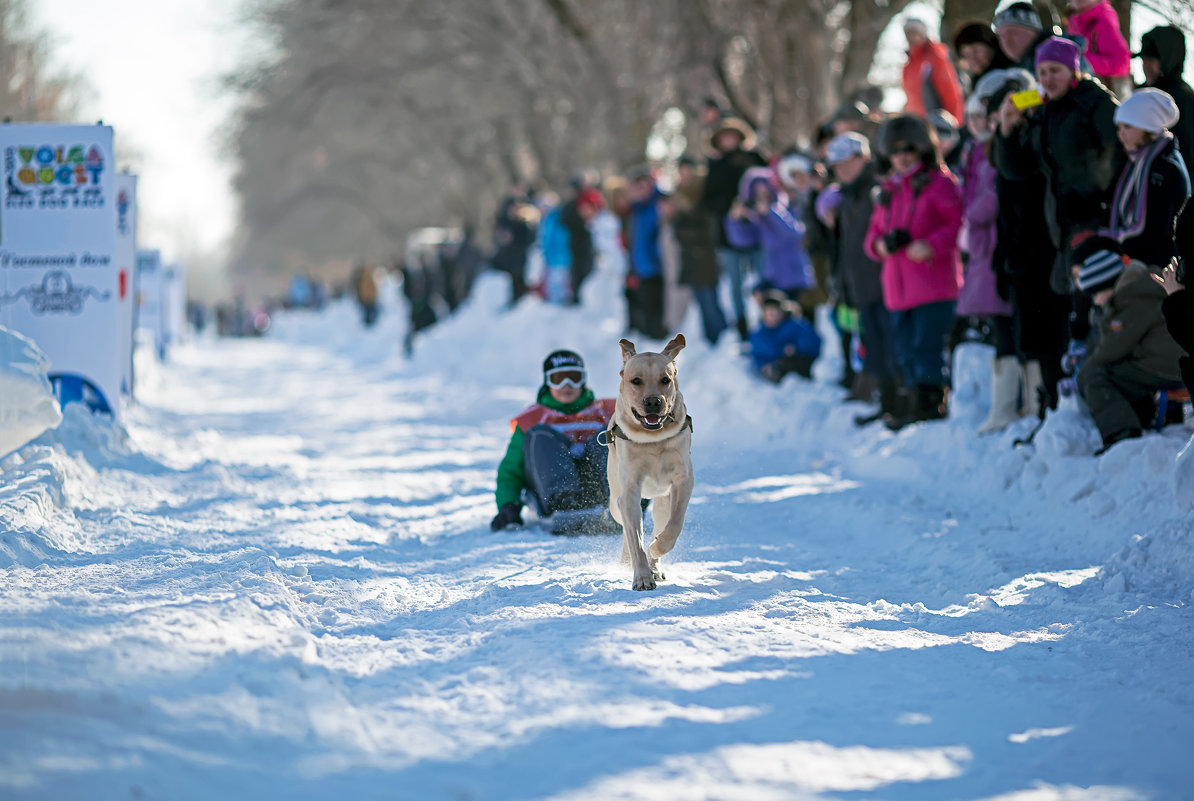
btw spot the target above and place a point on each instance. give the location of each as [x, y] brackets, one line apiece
[1025, 196]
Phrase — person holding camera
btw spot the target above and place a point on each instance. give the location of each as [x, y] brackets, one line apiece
[1068, 135]
[914, 234]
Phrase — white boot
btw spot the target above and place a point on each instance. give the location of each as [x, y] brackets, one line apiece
[1033, 382]
[1005, 391]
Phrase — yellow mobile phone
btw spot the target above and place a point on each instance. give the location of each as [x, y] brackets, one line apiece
[1027, 99]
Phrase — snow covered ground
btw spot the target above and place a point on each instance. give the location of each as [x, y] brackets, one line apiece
[278, 581]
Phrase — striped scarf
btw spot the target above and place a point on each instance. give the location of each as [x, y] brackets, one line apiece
[1130, 204]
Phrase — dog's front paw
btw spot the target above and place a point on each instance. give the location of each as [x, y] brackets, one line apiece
[644, 581]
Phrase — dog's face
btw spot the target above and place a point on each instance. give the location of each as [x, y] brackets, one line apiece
[649, 389]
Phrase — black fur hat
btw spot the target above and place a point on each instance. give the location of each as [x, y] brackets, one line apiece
[910, 129]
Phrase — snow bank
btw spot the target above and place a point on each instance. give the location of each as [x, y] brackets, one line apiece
[280, 580]
[27, 404]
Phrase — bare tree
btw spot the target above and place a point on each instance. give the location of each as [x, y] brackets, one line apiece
[29, 92]
[373, 116]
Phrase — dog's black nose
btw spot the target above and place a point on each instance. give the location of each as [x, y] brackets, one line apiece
[652, 403]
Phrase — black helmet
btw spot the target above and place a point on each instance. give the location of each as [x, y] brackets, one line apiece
[564, 361]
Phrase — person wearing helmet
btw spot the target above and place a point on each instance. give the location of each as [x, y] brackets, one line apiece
[554, 460]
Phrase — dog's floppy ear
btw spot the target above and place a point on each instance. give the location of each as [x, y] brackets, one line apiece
[627, 349]
[675, 346]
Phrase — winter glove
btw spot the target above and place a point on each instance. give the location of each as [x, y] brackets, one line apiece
[508, 515]
[1075, 354]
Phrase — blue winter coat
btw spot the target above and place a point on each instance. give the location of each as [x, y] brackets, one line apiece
[645, 259]
[767, 345]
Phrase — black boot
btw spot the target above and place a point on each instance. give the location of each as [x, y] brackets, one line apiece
[743, 331]
[924, 402]
[931, 402]
[903, 409]
[888, 394]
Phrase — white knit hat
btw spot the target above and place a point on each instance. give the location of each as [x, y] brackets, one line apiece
[1149, 110]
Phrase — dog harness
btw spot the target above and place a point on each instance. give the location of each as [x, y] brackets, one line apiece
[603, 437]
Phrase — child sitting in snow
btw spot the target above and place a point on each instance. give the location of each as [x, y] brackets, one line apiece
[785, 342]
[1135, 355]
[553, 456]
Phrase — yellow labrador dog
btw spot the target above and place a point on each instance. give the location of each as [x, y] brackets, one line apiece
[649, 439]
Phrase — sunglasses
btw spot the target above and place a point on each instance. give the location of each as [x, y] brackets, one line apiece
[906, 149]
[566, 377]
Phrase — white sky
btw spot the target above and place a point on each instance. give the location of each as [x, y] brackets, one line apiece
[151, 70]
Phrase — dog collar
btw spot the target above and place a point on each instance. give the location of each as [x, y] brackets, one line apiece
[615, 430]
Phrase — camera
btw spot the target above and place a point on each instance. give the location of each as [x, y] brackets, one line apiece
[896, 240]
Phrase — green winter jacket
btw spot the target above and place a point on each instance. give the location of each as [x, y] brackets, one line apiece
[511, 477]
[1132, 327]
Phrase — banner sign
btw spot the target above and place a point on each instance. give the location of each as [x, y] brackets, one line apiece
[126, 269]
[59, 282]
[149, 298]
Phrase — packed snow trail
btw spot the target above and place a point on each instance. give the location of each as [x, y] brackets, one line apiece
[282, 584]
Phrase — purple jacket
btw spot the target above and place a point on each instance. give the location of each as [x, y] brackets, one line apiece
[929, 207]
[779, 233]
[978, 296]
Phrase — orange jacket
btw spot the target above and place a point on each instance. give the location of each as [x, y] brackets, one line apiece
[931, 82]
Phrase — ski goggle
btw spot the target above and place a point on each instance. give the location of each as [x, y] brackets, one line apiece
[565, 377]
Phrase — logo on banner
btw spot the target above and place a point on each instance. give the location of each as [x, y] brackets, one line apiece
[53, 176]
[55, 295]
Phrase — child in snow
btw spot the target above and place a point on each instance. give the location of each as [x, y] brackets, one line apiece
[1154, 184]
[1135, 355]
[914, 233]
[785, 342]
[761, 218]
[553, 456]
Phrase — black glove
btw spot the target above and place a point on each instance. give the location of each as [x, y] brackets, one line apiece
[508, 515]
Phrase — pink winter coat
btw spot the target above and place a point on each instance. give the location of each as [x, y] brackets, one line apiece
[978, 296]
[1106, 49]
[929, 206]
